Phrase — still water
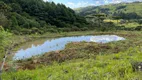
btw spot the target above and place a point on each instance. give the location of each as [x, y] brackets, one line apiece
[47, 45]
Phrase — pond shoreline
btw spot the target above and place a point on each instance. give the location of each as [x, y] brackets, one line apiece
[30, 38]
[77, 51]
[21, 39]
[42, 46]
[82, 50]
[27, 38]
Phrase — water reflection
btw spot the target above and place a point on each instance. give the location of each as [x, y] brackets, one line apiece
[48, 45]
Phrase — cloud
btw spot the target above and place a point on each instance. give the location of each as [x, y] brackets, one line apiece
[70, 3]
[117, 1]
[79, 4]
[45, 0]
[84, 3]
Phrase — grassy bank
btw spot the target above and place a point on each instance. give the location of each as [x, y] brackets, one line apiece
[85, 61]
[102, 67]
[87, 50]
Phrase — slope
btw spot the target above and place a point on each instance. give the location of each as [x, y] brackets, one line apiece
[125, 10]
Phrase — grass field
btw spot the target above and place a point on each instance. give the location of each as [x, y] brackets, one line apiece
[127, 24]
[85, 61]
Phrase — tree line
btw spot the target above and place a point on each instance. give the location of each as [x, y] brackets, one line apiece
[30, 16]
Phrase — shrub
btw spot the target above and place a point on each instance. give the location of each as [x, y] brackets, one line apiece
[140, 21]
[138, 28]
[75, 28]
[64, 29]
[26, 31]
[84, 29]
[4, 40]
[52, 30]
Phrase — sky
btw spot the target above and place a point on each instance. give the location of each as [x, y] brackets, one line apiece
[84, 3]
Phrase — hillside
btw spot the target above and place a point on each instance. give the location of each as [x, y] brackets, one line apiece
[125, 10]
[30, 16]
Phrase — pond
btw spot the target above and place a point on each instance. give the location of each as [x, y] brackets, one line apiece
[47, 45]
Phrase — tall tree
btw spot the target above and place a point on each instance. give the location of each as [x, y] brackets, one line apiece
[100, 17]
[3, 11]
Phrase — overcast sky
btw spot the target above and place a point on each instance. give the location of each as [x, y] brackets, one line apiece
[83, 3]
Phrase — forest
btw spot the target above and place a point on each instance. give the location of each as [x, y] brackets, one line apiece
[37, 16]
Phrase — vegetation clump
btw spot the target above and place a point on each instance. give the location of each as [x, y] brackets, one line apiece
[4, 41]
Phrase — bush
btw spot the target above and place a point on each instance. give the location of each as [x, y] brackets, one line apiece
[16, 32]
[75, 28]
[140, 21]
[52, 30]
[129, 29]
[109, 26]
[4, 40]
[26, 31]
[3, 20]
[64, 29]
[138, 28]
[120, 27]
[84, 29]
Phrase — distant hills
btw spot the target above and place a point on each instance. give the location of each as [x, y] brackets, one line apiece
[124, 10]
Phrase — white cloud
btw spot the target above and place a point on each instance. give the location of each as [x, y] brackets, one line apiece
[84, 3]
[45, 0]
[117, 1]
[106, 1]
[79, 4]
[70, 3]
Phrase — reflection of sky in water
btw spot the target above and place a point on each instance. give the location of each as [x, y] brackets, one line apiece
[106, 38]
[59, 44]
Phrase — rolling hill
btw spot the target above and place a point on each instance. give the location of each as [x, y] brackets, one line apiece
[125, 10]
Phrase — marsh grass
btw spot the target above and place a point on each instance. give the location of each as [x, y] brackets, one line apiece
[103, 67]
[85, 61]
